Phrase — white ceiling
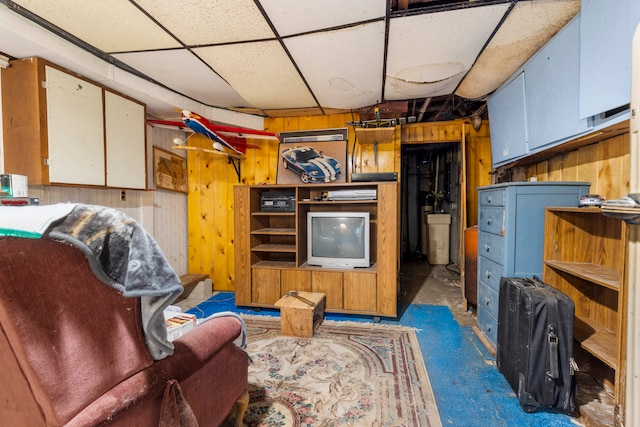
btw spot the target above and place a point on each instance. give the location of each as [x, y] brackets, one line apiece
[283, 58]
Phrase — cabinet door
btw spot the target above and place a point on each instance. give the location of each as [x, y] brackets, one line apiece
[125, 142]
[75, 130]
[265, 285]
[552, 103]
[606, 33]
[295, 280]
[507, 121]
[360, 291]
[330, 284]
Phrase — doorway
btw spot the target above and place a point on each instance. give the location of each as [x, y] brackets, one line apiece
[430, 184]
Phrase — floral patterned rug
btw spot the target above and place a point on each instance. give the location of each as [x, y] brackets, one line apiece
[347, 374]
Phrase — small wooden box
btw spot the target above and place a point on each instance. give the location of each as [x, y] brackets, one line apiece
[299, 319]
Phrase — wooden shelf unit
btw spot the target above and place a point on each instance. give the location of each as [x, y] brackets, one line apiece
[271, 249]
[585, 256]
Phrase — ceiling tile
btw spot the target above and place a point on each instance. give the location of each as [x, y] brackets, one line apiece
[261, 73]
[342, 67]
[210, 22]
[429, 54]
[528, 27]
[296, 17]
[186, 74]
[113, 26]
[292, 112]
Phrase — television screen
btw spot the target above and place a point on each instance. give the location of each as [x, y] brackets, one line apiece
[338, 239]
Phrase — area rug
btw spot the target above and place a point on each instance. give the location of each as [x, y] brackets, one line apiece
[347, 374]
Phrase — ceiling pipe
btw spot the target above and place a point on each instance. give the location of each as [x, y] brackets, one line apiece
[4, 61]
[423, 109]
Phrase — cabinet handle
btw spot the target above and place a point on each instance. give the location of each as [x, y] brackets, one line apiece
[488, 327]
[487, 247]
[488, 274]
[488, 199]
[489, 221]
[487, 301]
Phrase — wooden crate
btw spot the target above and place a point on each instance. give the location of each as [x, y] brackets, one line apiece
[299, 319]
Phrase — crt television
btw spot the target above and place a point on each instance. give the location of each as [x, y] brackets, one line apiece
[338, 239]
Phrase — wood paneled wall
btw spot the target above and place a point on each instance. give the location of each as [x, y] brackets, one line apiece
[210, 201]
[212, 178]
[605, 164]
[477, 152]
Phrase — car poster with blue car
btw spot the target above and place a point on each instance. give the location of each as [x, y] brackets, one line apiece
[312, 162]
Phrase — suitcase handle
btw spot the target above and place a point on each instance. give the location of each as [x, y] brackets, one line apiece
[552, 339]
[534, 281]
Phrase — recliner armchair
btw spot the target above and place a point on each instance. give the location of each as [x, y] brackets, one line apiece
[73, 352]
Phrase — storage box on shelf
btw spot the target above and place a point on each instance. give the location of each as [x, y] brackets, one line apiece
[585, 256]
[271, 249]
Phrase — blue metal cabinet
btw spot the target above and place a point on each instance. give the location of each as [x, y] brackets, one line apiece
[606, 32]
[508, 122]
[552, 103]
[511, 237]
[563, 91]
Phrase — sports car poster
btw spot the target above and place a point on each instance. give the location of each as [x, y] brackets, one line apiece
[312, 162]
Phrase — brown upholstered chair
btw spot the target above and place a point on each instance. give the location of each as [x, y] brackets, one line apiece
[72, 351]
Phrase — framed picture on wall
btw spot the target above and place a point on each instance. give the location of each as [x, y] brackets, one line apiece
[312, 162]
[169, 170]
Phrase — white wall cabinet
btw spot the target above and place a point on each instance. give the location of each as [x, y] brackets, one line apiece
[75, 129]
[59, 128]
[126, 164]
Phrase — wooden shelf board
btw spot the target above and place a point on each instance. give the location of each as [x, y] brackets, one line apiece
[274, 247]
[338, 202]
[596, 339]
[585, 210]
[602, 276]
[280, 231]
[372, 269]
[260, 213]
[274, 264]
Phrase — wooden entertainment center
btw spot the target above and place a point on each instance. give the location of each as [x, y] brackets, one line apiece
[271, 249]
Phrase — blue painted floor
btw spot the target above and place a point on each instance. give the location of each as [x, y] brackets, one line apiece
[468, 388]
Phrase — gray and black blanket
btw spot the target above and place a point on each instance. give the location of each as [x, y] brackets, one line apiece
[124, 256]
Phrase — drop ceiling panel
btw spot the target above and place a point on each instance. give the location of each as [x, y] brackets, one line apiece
[182, 71]
[528, 27]
[210, 22]
[261, 73]
[334, 58]
[295, 112]
[342, 67]
[113, 26]
[296, 17]
[429, 54]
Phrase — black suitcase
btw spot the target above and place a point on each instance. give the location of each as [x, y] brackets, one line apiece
[535, 344]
